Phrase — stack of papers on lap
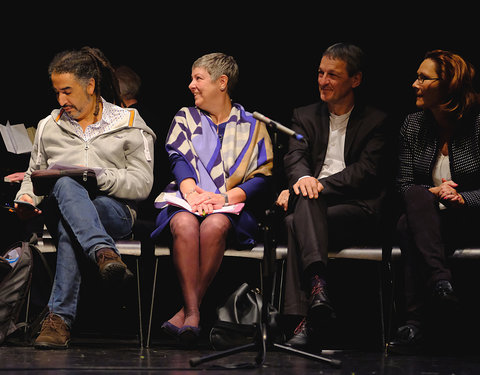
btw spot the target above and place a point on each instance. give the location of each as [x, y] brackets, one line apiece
[179, 202]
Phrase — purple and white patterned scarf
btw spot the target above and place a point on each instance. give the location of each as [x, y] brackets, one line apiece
[245, 151]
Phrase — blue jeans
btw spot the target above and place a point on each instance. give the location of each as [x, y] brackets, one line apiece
[80, 225]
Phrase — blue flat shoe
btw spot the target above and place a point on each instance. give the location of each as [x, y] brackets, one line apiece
[189, 335]
[170, 329]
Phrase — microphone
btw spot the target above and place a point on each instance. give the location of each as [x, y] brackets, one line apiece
[276, 125]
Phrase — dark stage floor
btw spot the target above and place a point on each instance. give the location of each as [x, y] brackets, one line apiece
[84, 358]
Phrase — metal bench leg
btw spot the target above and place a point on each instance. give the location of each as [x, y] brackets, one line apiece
[139, 301]
[281, 285]
[261, 277]
[152, 301]
[382, 310]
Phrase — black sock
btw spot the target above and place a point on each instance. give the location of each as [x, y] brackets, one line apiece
[315, 276]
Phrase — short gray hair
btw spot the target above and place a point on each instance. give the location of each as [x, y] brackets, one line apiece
[217, 64]
[351, 54]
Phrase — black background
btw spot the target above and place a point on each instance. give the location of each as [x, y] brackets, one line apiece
[277, 47]
[278, 50]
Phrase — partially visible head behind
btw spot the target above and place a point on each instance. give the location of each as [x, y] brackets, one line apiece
[352, 55]
[456, 75]
[129, 82]
[218, 64]
[85, 64]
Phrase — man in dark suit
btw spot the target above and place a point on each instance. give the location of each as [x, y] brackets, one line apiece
[336, 183]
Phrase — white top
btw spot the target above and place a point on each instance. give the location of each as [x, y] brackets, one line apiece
[441, 169]
[334, 158]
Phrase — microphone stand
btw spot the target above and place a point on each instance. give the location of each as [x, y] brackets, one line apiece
[263, 340]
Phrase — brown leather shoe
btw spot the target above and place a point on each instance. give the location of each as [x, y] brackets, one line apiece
[110, 265]
[54, 333]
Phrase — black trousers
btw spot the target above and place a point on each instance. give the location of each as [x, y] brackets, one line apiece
[315, 227]
[427, 236]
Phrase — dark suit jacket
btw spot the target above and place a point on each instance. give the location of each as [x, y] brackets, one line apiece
[366, 154]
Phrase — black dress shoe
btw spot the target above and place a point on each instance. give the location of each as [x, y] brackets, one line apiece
[320, 311]
[409, 340]
[443, 292]
[302, 336]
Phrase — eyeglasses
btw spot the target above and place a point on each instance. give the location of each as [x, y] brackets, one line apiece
[421, 79]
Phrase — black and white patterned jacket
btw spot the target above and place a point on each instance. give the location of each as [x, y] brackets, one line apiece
[419, 148]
